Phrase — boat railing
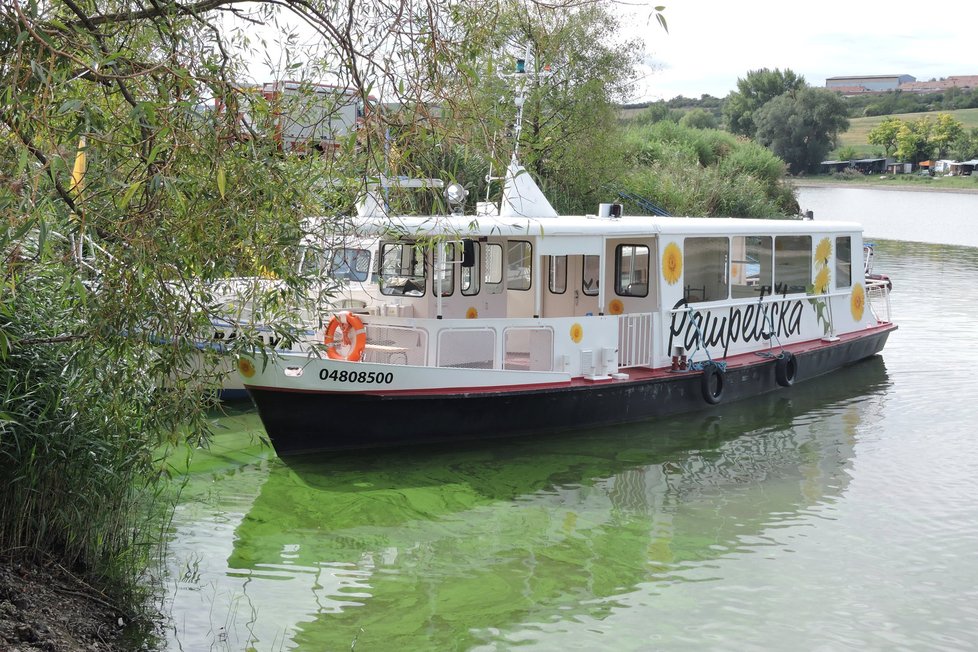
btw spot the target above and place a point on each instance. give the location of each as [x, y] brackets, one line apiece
[878, 298]
[516, 346]
[525, 345]
[511, 344]
[635, 340]
[396, 344]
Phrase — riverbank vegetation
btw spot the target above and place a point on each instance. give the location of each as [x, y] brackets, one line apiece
[845, 128]
[121, 203]
[778, 110]
[131, 188]
[937, 183]
[691, 171]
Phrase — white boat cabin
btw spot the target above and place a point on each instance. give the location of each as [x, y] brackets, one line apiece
[594, 295]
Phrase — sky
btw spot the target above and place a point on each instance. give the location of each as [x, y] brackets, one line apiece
[712, 43]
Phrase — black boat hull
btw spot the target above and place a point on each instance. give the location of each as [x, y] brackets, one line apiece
[300, 422]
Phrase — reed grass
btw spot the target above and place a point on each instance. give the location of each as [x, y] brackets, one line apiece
[705, 172]
[81, 423]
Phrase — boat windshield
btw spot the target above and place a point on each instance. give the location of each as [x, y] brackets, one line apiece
[350, 264]
[402, 270]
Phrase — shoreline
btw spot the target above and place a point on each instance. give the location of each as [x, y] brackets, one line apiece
[828, 183]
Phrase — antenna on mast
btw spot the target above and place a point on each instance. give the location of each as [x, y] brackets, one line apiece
[520, 81]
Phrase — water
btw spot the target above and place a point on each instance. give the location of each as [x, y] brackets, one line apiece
[838, 514]
[934, 217]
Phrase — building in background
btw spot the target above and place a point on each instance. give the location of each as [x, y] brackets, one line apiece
[856, 85]
[868, 83]
[301, 116]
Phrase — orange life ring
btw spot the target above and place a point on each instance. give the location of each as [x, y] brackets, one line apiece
[354, 337]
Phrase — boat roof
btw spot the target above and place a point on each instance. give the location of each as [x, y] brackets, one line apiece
[468, 226]
[525, 212]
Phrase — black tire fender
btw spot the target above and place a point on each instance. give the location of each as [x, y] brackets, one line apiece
[712, 383]
[785, 369]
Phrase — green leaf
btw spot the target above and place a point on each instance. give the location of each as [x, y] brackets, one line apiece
[23, 230]
[153, 153]
[126, 198]
[80, 290]
[221, 180]
[22, 161]
[39, 72]
[69, 106]
[42, 235]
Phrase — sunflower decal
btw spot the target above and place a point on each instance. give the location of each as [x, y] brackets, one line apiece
[471, 313]
[576, 333]
[246, 367]
[820, 283]
[822, 252]
[672, 263]
[822, 278]
[616, 307]
[857, 303]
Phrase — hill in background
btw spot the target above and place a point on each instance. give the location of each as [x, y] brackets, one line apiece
[859, 128]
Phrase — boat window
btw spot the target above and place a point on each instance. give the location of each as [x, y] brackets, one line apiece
[843, 262]
[351, 264]
[792, 264]
[705, 269]
[311, 260]
[632, 270]
[558, 274]
[470, 278]
[447, 271]
[492, 274]
[750, 265]
[591, 276]
[402, 269]
[518, 263]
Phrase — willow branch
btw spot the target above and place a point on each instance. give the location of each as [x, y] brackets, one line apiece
[43, 160]
[159, 11]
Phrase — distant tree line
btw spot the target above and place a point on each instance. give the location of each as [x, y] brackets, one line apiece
[895, 102]
[801, 124]
[888, 103]
[775, 108]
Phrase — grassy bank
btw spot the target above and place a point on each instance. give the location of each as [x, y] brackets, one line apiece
[895, 182]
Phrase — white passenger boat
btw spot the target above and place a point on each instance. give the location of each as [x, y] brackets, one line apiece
[518, 321]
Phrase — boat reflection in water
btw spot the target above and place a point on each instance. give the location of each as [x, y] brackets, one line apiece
[450, 549]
